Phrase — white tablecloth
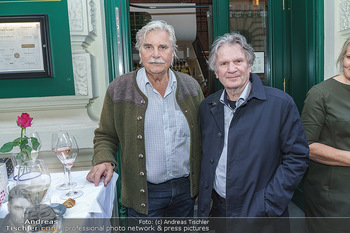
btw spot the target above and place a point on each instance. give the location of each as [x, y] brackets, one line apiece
[96, 202]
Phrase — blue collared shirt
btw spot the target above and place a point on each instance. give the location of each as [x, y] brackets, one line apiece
[220, 173]
[167, 134]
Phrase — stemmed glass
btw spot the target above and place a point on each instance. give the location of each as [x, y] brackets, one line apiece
[67, 150]
[56, 136]
[33, 181]
[34, 139]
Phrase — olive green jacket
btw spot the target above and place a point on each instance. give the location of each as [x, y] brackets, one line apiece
[122, 121]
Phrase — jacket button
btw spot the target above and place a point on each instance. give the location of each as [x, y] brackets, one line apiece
[141, 156]
[202, 210]
[212, 161]
[142, 191]
[139, 118]
[142, 173]
[206, 186]
[219, 135]
[139, 136]
[143, 101]
[143, 205]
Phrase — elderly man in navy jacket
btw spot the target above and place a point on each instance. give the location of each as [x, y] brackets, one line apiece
[254, 148]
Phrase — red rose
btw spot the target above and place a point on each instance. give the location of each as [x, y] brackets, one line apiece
[24, 120]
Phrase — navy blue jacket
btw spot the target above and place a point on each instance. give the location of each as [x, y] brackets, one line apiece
[267, 152]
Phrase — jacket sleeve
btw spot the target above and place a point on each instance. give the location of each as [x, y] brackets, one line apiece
[106, 138]
[293, 164]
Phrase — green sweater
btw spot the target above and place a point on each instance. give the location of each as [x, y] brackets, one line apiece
[122, 121]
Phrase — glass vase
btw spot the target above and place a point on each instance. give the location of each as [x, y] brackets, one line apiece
[18, 159]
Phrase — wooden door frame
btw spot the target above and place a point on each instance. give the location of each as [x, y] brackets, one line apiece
[281, 49]
[119, 61]
[119, 47]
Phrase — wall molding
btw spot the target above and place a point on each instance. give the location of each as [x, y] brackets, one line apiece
[82, 74]
[82, 21]
[43, 103]
[50, 114]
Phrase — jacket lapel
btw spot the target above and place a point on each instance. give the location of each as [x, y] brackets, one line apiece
[217, 112]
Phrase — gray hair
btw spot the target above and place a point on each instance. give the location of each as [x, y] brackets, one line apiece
[342, 54]
[232, 39]
[156, 25]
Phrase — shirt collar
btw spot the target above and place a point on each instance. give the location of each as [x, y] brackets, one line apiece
[242, 98]
[142, 77]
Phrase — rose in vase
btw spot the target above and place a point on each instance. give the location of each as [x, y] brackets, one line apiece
[24, 121]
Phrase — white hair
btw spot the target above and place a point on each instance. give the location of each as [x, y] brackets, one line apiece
[156, 25]
[231, 39]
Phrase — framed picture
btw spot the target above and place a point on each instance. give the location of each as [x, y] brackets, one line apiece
[25, 47]
[259, 63]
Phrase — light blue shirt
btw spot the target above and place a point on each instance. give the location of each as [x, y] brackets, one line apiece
[221, 169]
[167, 134]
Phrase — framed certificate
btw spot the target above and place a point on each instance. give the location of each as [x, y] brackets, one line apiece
[259, 63]
[25, 47]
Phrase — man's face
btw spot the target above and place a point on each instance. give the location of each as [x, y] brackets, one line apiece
[17, 210]
[232, 68]
[156, 52]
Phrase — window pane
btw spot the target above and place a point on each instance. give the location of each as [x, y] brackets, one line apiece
[249, 18]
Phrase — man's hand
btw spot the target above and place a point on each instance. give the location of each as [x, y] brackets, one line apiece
[100, 170]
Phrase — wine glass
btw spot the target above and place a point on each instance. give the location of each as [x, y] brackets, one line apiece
[56, 136]
[67, 150]
[33, 182]
[35, 143]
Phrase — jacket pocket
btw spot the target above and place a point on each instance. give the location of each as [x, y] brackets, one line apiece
[257, 208]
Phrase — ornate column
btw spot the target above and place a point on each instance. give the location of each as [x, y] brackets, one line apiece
[82, 24]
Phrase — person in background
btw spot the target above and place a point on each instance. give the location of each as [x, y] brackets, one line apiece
[23, 216]
[18, 206]
[326, 120]
[254, 151]
[153, 113]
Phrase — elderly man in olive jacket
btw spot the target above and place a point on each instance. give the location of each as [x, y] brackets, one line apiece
[154, 114]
